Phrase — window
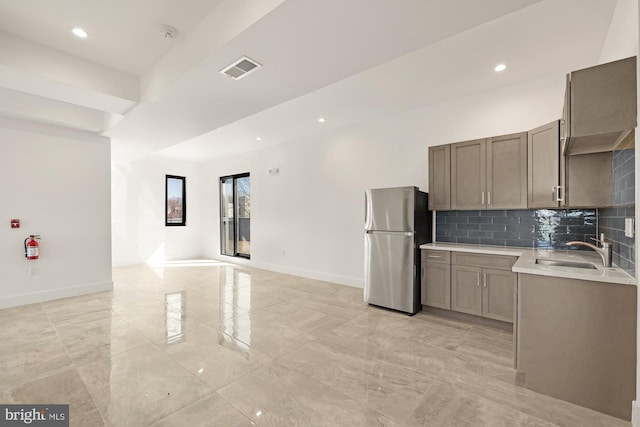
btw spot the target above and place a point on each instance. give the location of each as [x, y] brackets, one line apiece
[235, 215]
[176, 201]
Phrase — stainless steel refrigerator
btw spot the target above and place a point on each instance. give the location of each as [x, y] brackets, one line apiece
[397, 222]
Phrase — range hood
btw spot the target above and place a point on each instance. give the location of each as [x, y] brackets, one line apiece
[600, 109]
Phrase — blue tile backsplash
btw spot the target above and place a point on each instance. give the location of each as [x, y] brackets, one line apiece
[624, 177]
[611, 220]
[542, 228]
[611, 223]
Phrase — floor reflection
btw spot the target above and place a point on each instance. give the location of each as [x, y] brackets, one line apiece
[235, 289]
[238, 347]
[175, 313]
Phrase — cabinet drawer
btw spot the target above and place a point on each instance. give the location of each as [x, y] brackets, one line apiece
[443, 257]
[502, 262]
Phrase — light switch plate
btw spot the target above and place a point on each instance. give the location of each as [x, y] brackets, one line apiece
[628, 227]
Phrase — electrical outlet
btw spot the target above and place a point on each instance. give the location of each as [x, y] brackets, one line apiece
[629, 227]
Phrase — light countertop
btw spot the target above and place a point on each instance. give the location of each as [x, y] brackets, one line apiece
[526, 262]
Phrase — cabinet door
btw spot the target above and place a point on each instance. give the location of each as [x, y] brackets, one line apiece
[507, 172]
[436, 285]
[544, 162]
[440, 177]
[468, 174]
[497, 294]
[603, 99]
[590, 180]
[466, 292]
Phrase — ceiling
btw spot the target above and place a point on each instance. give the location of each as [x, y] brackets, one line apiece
[345, 61]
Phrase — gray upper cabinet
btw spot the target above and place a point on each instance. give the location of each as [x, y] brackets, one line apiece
[489, 173]
[589, 180]
[600, 106]
[555, 180]
[507, 172]
[440, 178]
[468, 174]
[543, 166]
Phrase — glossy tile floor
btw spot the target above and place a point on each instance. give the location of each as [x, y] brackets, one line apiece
[212, 344]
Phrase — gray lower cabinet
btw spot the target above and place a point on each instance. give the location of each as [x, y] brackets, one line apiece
[498, 294]
[436, 279]
[483, 285]
[466, 290]
[577, 341]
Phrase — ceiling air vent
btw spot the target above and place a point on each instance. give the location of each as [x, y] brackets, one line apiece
[241, 68]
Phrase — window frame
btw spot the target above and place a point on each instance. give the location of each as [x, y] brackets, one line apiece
[182, 223]
[235, 215]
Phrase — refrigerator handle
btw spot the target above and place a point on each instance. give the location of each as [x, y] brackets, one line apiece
[367, 211]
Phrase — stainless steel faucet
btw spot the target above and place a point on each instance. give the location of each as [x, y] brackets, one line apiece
[604, 250]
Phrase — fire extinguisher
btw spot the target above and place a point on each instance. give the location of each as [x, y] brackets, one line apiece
[31, 247]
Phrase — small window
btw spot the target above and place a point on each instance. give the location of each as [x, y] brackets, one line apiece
[176, 201]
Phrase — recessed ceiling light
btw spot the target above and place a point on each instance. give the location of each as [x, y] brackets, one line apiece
[258, 139]
[79, 32]
[500, 67]
[322, 120]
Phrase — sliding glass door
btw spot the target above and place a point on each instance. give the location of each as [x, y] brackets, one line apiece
[227, 216]
[235, 215]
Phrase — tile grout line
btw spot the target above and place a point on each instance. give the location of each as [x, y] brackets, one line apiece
[234, 407]
[75, 367]
[202, 381]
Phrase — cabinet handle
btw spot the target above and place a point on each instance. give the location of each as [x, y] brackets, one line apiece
[553, 193]
[558, 198]
[478, 284]
[435, 256]
[482, 198]
[485, 279]
[488, 197]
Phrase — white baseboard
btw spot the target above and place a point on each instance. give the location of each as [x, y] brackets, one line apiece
[309, 274]
[635, 413]
[53, 294]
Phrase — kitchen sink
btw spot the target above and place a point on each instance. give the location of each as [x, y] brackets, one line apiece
[560, 263]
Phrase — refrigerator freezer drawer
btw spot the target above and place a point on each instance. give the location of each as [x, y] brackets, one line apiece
[389, 270]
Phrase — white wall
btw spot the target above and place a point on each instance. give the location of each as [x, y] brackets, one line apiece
[308, 219]
[622, 40]
[56, 182]
[138, 203]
